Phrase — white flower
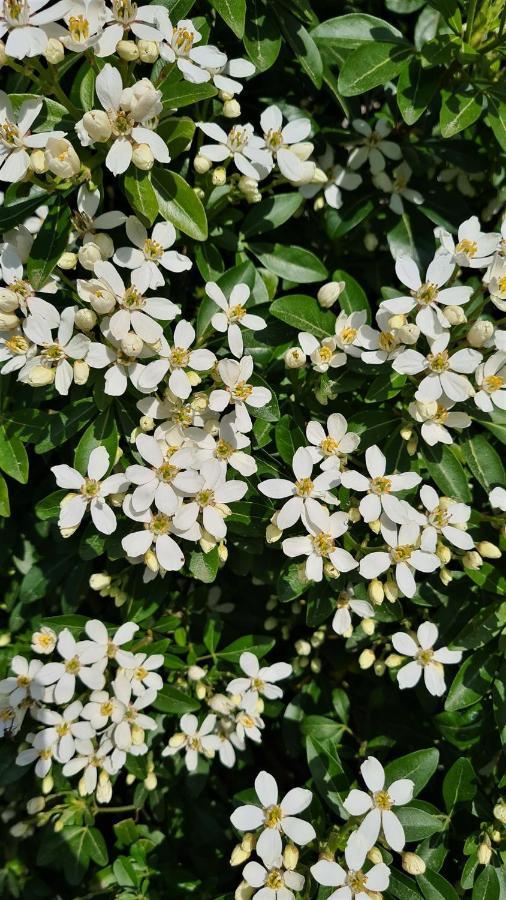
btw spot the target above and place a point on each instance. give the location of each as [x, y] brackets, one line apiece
[122, 366]
[21, 21]
[93, 489]
[377, 808]
[84, 20]
[175, 360]
[403, 553]
[151, 252]
[497, 498]
[16, 141]
[259, 680]
[142, 674]
[90, 760]
[275, 882]
[147, 23]
[110, 648]
[79, 662]
[165, 481]
[338, 179]
[15, 351]
[128, 718]
[436, 418]
[55, 352]
[61, 158]
[320, 544]
[301, 490]
[227, 447]
[41, 756]
[238, 391]
[86, 223]
[328, 447]
[275, 817]
[349, 332]
[224, 77]
[193, 62]
[425, 659]
[211, 499]
[474, 248]
[157, 528]
[446, 517]
[374, 147]
[323, 354]
[380, 488]
[101, 708]
[384, 345]
[44, 640]
[347, 604]
[354, 882]
[445, 372]
[234, 315]
[20, 293]
[194, 740]
[125, 108]
[62, 730]
[491, 381]
[280, 141]
[426, 296]
[398, 188]
[241, 145]
[24, 683]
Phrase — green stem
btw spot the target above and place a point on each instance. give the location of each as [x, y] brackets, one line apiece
[114, 809]
[471, 15]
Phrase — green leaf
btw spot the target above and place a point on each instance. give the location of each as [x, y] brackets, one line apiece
[271, 213]
[419, 820]
[328, 773]
[293, 263]
[177, 134]
[458, 110]
[288, 437]
[487, 886]
[305, 314]
[101, 433]
[204, 566]
[415, 89]
[472, 680]
[253, 643]
[459, 784]
[87, 89]
[66, 423]
[496, 119]
[262, 38]
[447, 472]
[176, 94]
[402, 887]
[179, 204]
[233, 13]
[12, 214]
[418, 766]
[373, 425]
[269, 412]
[484, 462]
[5, 509]
[353, 297]
[350, 31]
[435, 887]
[302, 45]
[171, 700]
[13, 457]
[50, 243]
[371, 65]
[49, 507]
[401, 240]
[141, 195]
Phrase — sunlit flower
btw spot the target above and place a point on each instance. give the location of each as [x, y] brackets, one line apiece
[425, 659]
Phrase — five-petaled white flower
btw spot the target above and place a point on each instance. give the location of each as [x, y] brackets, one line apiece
[380, 489]
[424, 659]
[55, 352]
[374, 146]
[16, 141]
[175, 359]
[300, 491]
[354, 882]
[149, 253]
[403, 554]
[491, 382]
[62, 730]
[241, 145]
[346, 604]
[234, 315]
[474, 248]
[194, 740]
[281, 143]
[320, 543]
[178, 46]
[259, 679]
[273, 880]
[23, 21]
[446, 373]
[238, 391]
[93, 490]
[445, 517]
[83, 662]
[328, 447]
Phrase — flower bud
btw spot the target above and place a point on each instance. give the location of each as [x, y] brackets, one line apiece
[391, 590]
[374, 856]
[85, 319]
[196, 673]
[368, 626]
[142, 157]
[354, 514]
[445, 576]
[375, 526]
[99, 580]
[89, 254]
[328, 293]
[40, 376]
[146, 423]
[200, 691]
[500, 812]
[148, 51]
[294, 358]
[375, 592]
[67, 261]
[366, 659]
[480, 333]
[35, 805]
[150, 781]
[488, 550]
[225, 95]
[272, 534]
[412, 863]
[130, 779]
[97, 125]
[412, 445]
[61, 158]
[138, 735]
[47, 784]
[231, 109]
[427, 409]
[271, 623]
[330, 570]
[472, 560]
[105, 244]
[319, 176]
[397, 321]
[247, 185]
[243, 891]
[484, 854]
[444, 554]
[302, 648]
[290, 857]
[127, 50]
[239, 856]
[54, 52]
[393, 660]
[406, 432]
[3, 55]
[249, 841]
[201, 164]
[151, 561]
[455, 315]
[219, 176]
[81, 371]
[370, 242]
[103, 792]
[104, 303]
[408, 334]
[38, 162]
[496, 836]
[379, 667]
[132, 344]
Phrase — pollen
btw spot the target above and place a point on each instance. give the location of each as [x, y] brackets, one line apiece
[273, 816]
[382, 800]
[18, 345]
[401, 553]
[153, 250]
[304, 487]
[72, 666]
[493, 383]
[438, 362]
[325, 354]
[381, 485]
[329, 446]
[274, 880]
[348, 335]
[90, 488]
[179, 357]
[427, 293]
[469, 248]
[79, 28]
[323, 543]
[242, 390]
[236, 313]
[160, 524]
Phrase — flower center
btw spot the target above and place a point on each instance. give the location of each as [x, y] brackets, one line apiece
[167, 472]
[380, 485]
[493, 383]
[79, 28]
[502, 284]
[152, 249]
[18, 345]
[348, 335]
[182, 41]
[46, 754]
[82, 222]
[106, 708]
[274, 139]
[133, 299]
[438, 362]
[53, 353]
[441, 415]
[467, 247]
[72, 666]
[325, 354]
[90, 488]
[304, 487]
[258, 684]
[425, 656]
[236, 313]
[274, 880]
[124, 11]
[343, 601]
[242, 390]
[223, 450]
[160, 524]
[357, 881]
[22, 681]
[9, 134]
[205, 498]
[179, 357]
[401, 553]
[63, 729]
[329, 446]
[439, 517]
[121, 121]
[426, 294]
[44, 640]
[382, 800]
[22, 288]
[387, 341]
[273, 816]
[323, 543]
[16, 12]
[141, 673]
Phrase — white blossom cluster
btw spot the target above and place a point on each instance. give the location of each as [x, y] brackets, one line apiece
[87, 704]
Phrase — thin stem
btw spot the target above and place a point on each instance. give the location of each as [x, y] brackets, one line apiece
[471, 15]
[114, 809]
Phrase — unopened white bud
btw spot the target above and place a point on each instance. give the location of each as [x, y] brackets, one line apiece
[99, 580]
[150, 781]
[328, 293]
[272, 534]
[480, 333]
[294, 358]
[393, 661]
[379, 668]
[54, 52]
[219, 176]
[97, 125]
[239, 856]
[290, 856]
[374, 856]
[89, 254]
[488, 550]
[38, 162]
[484, 854]
[85, 319]
[148, 51]
[445, 576]
[366, 659]
[455, 315]
[375, 526]
[200, 691]
[35, 805]
[316, 666]
[319, 176]
[127, 50]
[247, 185]
[302, 648]
[61, 158]
[146, 423]
[231, 109]
[408, 334]
[472, 560]
[132, 344]
[40, 376]
[375, 592]
[500, 812]
[225, 95]
[67, 261]
[142, 157]
[444, 554]
[413, 864]
[201, 164]
[81, 371]
[391, 590]
[368, 626]
[243, 891]
[47, 784]
[196, 673]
